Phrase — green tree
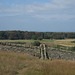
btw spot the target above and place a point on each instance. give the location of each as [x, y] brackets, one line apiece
[40, 38]
[34, 37]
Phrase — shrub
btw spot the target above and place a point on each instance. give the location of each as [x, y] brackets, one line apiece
[72, 41]
[36, 43]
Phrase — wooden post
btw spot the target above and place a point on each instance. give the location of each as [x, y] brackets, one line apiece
[45, 56]
[43, 52]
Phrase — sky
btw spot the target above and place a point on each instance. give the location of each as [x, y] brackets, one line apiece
[37, 15]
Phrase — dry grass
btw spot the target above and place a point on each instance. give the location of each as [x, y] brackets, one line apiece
[17, 40]
[59, 67]
[22, 64]
[65, 42]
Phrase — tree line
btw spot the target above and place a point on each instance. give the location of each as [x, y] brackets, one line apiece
[16, 35]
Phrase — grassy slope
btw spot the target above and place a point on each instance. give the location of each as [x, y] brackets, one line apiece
[22, 64]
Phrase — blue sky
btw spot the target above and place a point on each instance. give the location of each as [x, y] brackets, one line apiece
[38, 15]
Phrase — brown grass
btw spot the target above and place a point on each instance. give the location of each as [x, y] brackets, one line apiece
[22, 64]
[65, 42]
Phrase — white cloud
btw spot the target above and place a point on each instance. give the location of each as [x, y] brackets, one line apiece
[64, 1]
[55, 9]
[57, 17]
[52, 6]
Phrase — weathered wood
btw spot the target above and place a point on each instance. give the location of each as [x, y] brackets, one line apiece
[45, 56]
[43, 52]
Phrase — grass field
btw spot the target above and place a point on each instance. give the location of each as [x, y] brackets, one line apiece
[27, 40]
[17, 40]
[64, 42]
[22, 64]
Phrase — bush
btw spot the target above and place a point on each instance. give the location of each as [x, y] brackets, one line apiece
[72, 41]
[36, 43]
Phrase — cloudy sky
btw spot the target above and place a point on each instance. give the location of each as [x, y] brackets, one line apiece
[38, 15]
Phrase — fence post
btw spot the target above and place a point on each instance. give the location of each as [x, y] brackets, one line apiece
[43, 52]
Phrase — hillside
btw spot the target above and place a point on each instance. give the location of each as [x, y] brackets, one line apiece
[23, 64]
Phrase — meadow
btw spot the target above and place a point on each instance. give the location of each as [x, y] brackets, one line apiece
[12, 63]
[23, 64]
[53, 42]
